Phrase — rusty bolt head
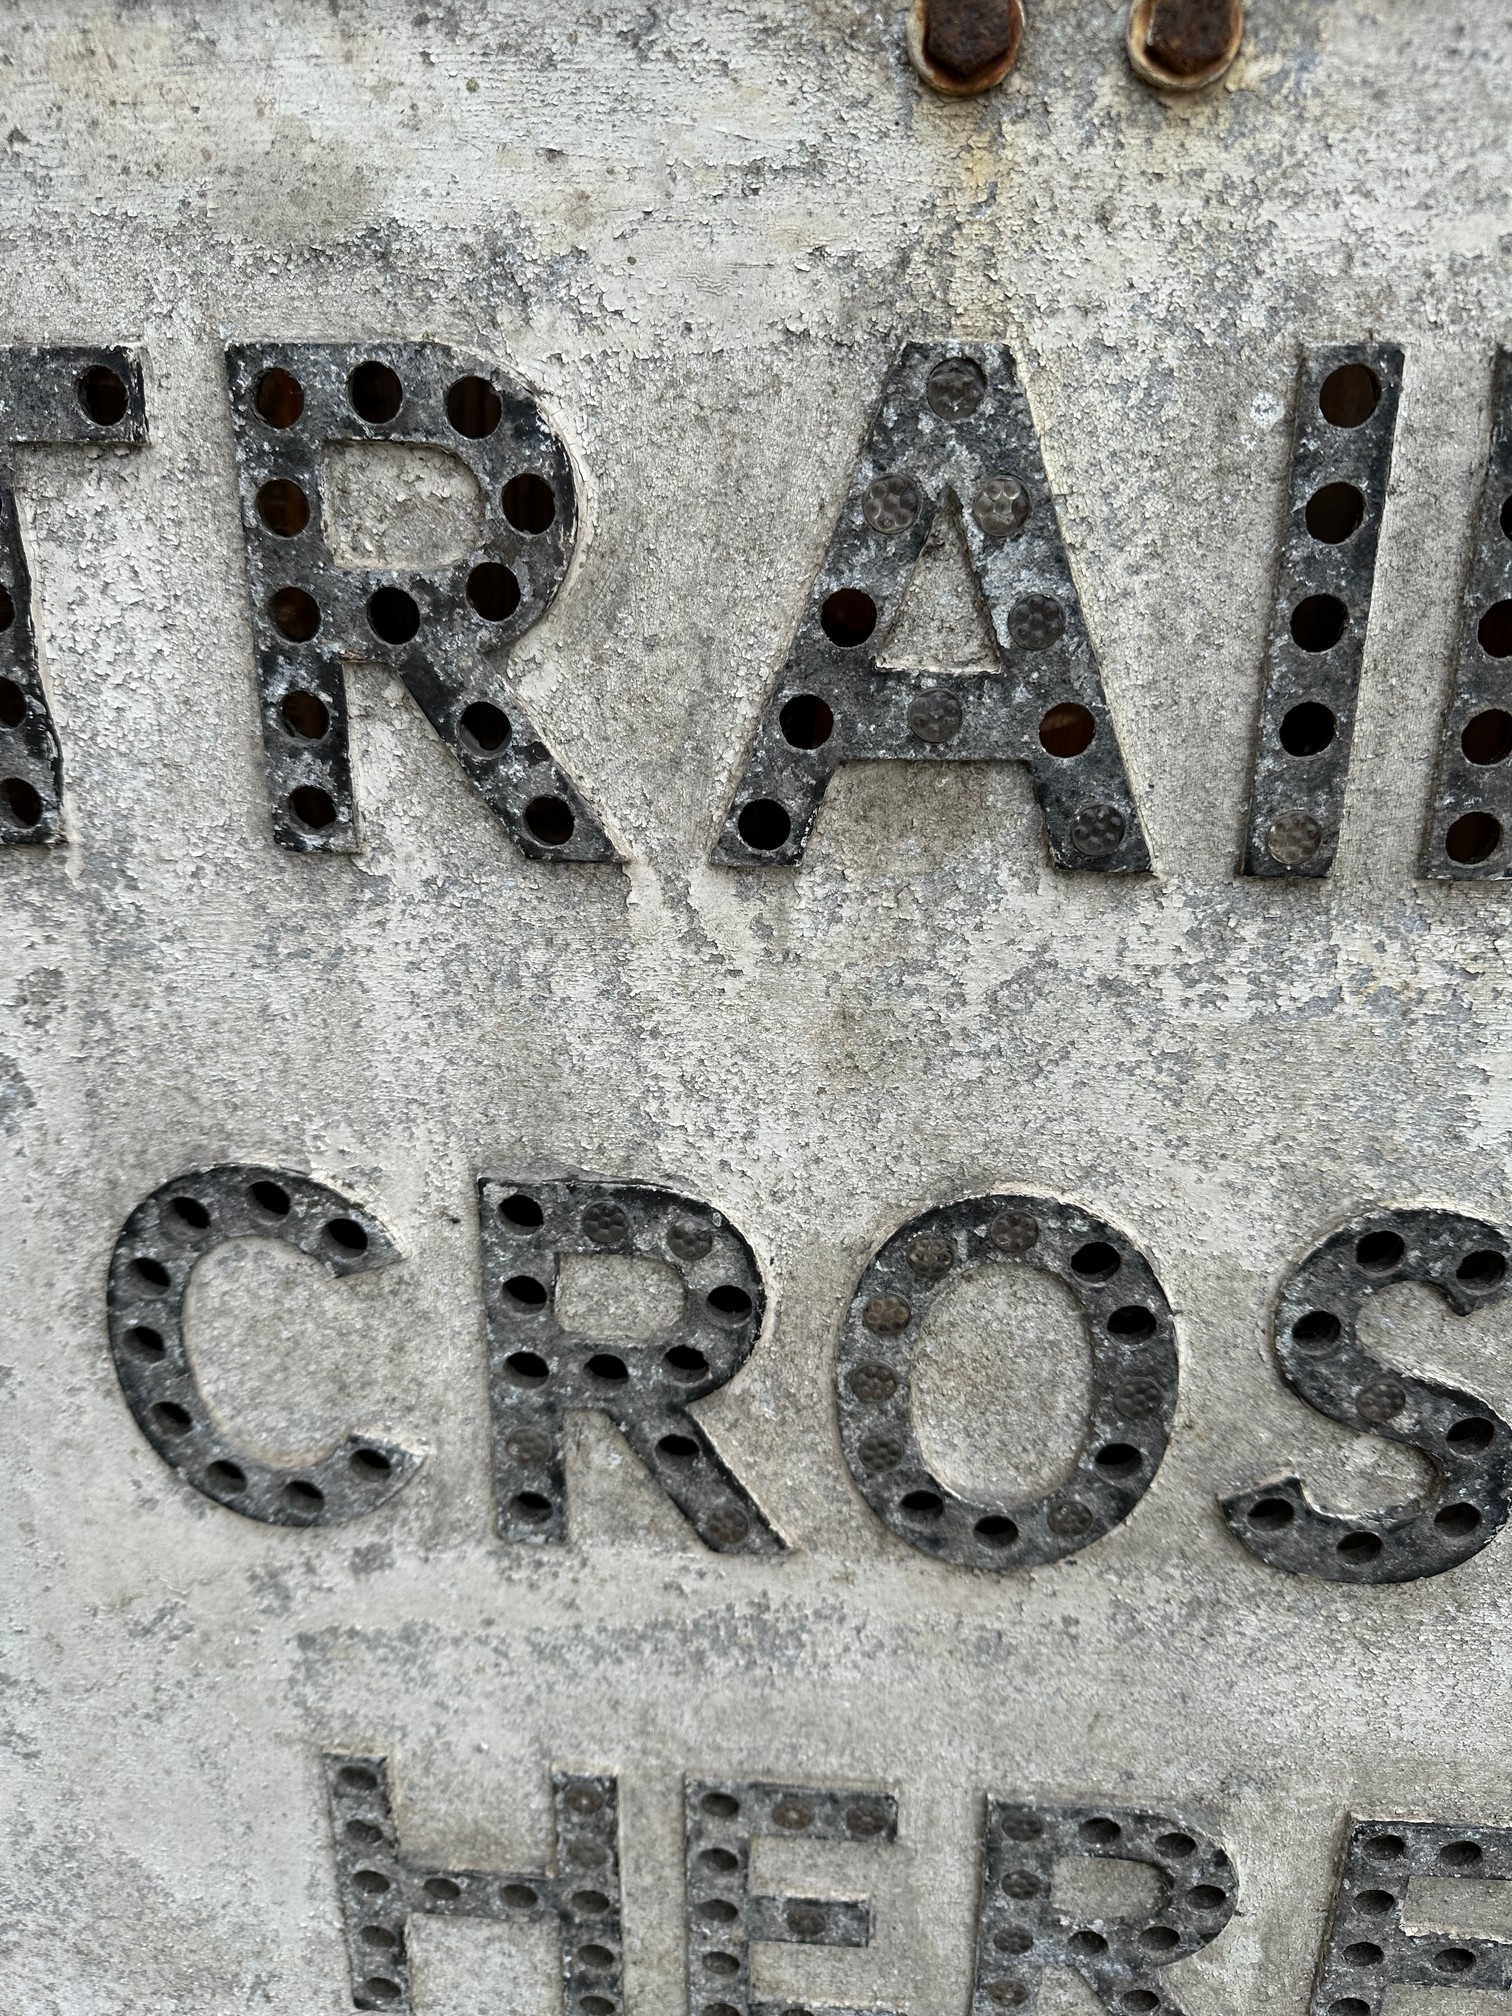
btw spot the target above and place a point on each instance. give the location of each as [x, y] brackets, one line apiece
[605, 1223]
[1011, 1232]
[965, 46]
[1184, 44]
[1381, 1399]
[1187, 36]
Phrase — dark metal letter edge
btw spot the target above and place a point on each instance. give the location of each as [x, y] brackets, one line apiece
[539, 1372]
[446, 630]
[1020, 1933]
[1132, 1403]
[154, 1256]
[1345, 423]
[381, 1888]
[57, 393]
[1467, 1443]
[1472, 801]
[953, 429]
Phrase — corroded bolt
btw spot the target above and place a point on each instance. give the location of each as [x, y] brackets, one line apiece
[964, 46]
[1184, 45]
[688, 1239]
[873, 1384]
[1010, 1232]
[882, 1451]
[1068, 1518]
[1381, 1399]
[1035, 622]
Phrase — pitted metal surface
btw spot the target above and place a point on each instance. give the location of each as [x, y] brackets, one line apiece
[1368, 1950]
[447, 631]
[1344, 427]
[1020, 1932]
[159, 1246]
[49, 394]
[1133, 1389]
[953, 432]
[540, 1372]
[723, 1819]
[1471, 813]
[383, 1889]
[1466, 1442]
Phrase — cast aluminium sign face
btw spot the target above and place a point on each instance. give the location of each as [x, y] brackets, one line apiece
[753, 1046]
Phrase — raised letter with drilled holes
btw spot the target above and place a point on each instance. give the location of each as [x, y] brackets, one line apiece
[1468, 1444]
[446, 630]
[1367, 1950]
[154, 1256]
[1341, 459]
[953, 430]
[381, 1889]
[539, 1372]
[723, 1819]
[1472, 804]
[1020, 1932]
[56, 394]
[1134, 1379]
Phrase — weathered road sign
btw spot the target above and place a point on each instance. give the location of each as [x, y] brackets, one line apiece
[754, 1044]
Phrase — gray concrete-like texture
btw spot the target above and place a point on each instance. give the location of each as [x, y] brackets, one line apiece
[701, 232]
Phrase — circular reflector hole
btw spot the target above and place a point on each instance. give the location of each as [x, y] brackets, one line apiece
[1379, 1251]
[1475, 836]
[550, 820]
[305, 715]
[12, 704]
[848, 617]
[493, 591]
[279, 398]
[7, 608]
[1458, 1521]
[1358, 1548]
[1096, 1261]
[1317, 622]
[521, 1210]
[1349, 395]
[1495, 631]
[807, 722]
[283, 507]
[1308, 729]
[1067, 729]
[1335, 512]
[473, 408]
[764, 824]
[102, 394]
[312, 807]
[1487, 737]
[485, 726]
[295, 614]
[393, 615]
[347, 1234]
[375, 393]
[526, 1290]
[529, 502]
[1483, 1269]
[22, 801]
[1270, 1515]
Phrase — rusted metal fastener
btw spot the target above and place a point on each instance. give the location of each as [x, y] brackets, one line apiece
[962, 47]
[1184, 45]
